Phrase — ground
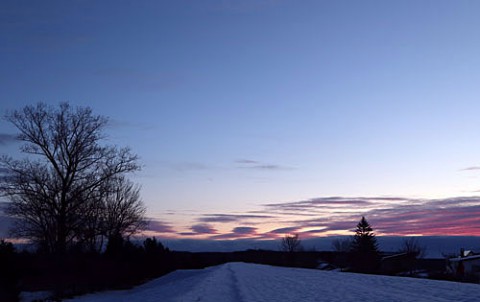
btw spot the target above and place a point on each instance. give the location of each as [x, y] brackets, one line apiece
[236, 282]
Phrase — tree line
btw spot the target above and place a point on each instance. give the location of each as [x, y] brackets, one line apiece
[362, 249]
[360, 252]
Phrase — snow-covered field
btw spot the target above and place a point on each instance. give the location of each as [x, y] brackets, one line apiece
[235, 282]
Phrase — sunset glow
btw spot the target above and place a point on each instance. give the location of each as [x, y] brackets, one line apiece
[336, 216]
[256, 119]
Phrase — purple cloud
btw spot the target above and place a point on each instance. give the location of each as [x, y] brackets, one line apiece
[337, 215]
[246, 161]
[223, 218]
[188, 234]
[472, 168]
[310, 232]
[6, 139]
[244, 230]
[237, 233]
[256, 165]
[321, 203]
[159, 227]
[430, 219]
[203, 229]
[286, 230]
[388, 215]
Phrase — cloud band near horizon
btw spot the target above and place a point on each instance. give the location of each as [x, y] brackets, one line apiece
[325, 216]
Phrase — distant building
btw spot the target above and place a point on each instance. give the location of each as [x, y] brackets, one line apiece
[398, 263]
[467, 264]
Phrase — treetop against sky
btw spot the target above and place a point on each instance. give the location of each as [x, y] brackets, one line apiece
[249, 115]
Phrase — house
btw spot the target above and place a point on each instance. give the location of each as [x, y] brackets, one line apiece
[398, 263]
[467, 264]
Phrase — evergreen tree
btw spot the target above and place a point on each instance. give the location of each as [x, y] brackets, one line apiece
[364, 254]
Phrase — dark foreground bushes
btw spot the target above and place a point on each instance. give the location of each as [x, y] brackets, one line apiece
[124, 265]
[9, 274]
[121, 266]
[77, 272]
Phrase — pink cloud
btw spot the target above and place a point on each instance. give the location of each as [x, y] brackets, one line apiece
[203, 229]
[337, 215]
[244, 230]
[238, 233]
[159, 227]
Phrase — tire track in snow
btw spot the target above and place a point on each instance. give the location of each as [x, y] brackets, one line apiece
[235, 284]
[221, 284]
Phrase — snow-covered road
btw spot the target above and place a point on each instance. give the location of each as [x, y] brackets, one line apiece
[241, 282]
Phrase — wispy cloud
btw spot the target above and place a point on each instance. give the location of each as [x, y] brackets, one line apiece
[325, 216]
[316, 206]
[472, 168]
[6, 139]
[389, 216]
[244, 230]
[224, 218]
[188, 166]
[269, 167]
[200, 229]
[139, 79]
[322, 202]
[287, 230]
[257, 165]
[6, 222]
[246, 162]
[238, 233]
[159, 227]
[119, 124]
[450, 216]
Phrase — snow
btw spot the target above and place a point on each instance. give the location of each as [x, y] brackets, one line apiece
[236, 282]
[34, 296]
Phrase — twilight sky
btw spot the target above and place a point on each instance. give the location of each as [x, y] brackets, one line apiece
[258, 118]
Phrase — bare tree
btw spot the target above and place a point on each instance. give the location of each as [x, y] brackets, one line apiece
[116, 213]
[411, 246]
[291, 243]
[59, 188]
[342, 244]
[413, 251]
[123, 214]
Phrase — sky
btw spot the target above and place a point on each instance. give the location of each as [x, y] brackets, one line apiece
[256, 119]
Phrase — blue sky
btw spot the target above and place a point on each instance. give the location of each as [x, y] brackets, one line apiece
[236, 105]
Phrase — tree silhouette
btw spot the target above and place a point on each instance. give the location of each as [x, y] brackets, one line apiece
[364, 254]
[413, 250]
[412, 246]
[342, 244]
[9, 274]
[59, 193]
[154, 247]
[291, 243]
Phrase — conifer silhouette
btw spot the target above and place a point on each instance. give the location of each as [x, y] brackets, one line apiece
[364, 254]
